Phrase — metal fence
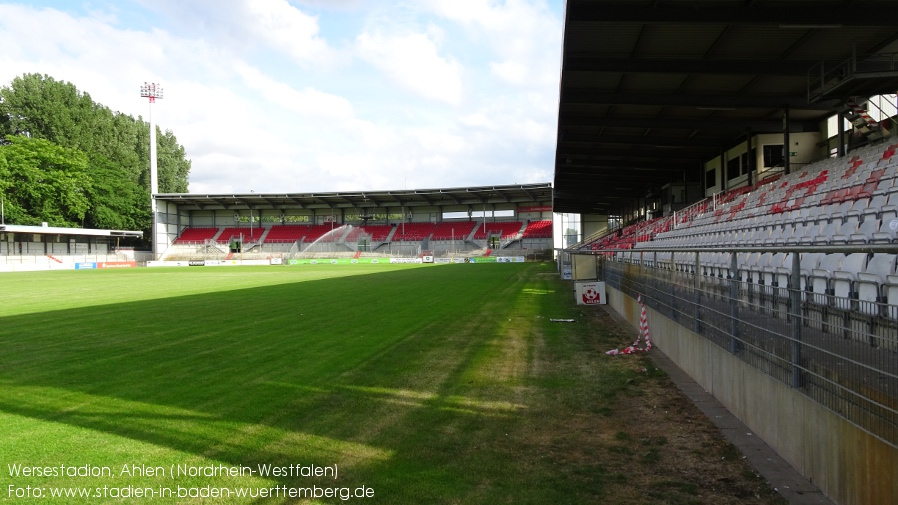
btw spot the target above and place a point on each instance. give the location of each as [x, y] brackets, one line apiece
[840, 351]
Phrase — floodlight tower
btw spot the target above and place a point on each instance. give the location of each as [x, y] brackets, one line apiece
[153, 91]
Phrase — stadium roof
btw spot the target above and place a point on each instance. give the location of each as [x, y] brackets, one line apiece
[518, 193]
[651, 89]
[58, 230]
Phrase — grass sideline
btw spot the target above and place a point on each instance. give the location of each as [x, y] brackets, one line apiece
[425, 384]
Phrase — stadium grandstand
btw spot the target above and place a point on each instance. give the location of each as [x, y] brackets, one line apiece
[24, 248]
[512, 220]
[734, 165]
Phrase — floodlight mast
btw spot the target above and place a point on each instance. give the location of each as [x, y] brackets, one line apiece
[153, 91]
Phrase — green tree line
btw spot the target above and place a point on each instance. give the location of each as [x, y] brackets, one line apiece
[69, 161]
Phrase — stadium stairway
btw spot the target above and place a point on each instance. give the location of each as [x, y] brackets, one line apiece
[859, 117]
[389, 237]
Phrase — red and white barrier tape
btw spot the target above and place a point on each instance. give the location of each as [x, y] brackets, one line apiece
[643, 334]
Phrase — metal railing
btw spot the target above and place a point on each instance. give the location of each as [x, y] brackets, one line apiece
[840, 351]
[826, 76]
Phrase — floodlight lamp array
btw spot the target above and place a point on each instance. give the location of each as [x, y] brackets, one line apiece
[151, 91]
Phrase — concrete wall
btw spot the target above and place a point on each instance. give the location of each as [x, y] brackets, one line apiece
[803, 144]
[849, 465]
[593, 223]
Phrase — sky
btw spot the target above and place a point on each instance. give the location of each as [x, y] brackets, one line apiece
[296, 96]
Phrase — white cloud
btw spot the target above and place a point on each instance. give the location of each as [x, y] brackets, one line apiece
[87, 52]
[524, 34]
[288, 29]
[263, 99]
[413, 61]
[437, 141]
[513, 72]
[335, 4]
[306, 102]
[250, 26]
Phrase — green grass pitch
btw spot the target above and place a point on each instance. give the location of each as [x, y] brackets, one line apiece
[417, 383]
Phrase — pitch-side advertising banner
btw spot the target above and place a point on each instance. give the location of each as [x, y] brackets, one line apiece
[335, 261]
[590, 293]
[117, 264]
[309, 261]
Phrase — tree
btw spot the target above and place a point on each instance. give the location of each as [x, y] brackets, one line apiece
[44, 182]
[115, 145]
[5, 181]
[173, 166]
[116, 202]
[571, 236]
[39, 107]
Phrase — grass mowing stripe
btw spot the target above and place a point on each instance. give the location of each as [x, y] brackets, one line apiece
[429, 383]
[41, 291]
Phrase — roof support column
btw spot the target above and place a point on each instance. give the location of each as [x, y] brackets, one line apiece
[685, 189]
[724, 179]
[787, 169]
[840, 138]
[703, 181]
[749, 159]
